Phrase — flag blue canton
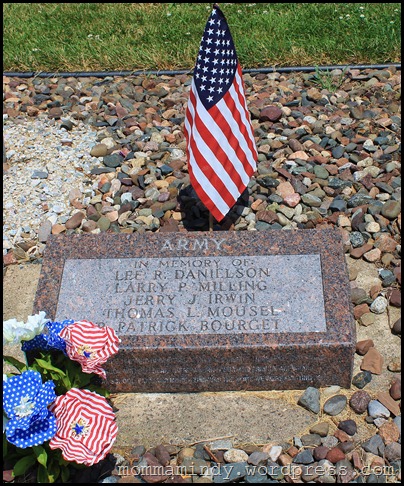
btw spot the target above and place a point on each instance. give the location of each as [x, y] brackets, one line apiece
[216, 62]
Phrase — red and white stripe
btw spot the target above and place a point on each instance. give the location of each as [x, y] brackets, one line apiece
[221, 148]
[97, 413]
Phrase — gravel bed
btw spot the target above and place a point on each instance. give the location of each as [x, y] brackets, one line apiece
[89, 155]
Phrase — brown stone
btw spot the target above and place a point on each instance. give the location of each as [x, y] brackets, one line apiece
[396, 329]
[270, 113]
[295, 145]
[386, 400]
[256, 204]
[361, 309]
[395, 298]
[341, 435]
[358, 252]
[162, 455]
[386, 243]
[285, 459]
[362, 347]
[359, 401]
[285, 189]
[321, 429]
[356, 460]
[397, 273]
[377, 462]
[176, 479]
[267, 216]
[154, 473]
[372, 255]
[389, 432]
[320, 452]
[173, 318]
[58, 228]
[55, 113]
[9, 259]
[75, 220]
[334, 455]
[375, 290]
[395, 389]
[89, 226]
[373, 362]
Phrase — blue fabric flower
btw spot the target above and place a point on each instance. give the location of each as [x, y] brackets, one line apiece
[25, 401]
[49, 339]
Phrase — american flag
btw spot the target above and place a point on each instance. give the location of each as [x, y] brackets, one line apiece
[220, 142]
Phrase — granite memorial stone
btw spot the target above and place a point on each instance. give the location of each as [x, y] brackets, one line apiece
[209, 311]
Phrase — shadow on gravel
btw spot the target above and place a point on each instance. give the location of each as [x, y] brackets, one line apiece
[196, 216]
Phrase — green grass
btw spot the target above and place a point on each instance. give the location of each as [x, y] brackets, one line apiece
[166, 36]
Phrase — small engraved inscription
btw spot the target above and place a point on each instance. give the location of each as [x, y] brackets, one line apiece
[196, 295]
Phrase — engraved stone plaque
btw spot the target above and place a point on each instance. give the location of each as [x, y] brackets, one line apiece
[206, 311]
[197, 295]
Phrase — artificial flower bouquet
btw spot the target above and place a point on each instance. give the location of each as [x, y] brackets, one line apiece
[55, 410]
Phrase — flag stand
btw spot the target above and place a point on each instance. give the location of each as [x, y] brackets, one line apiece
[210, 221]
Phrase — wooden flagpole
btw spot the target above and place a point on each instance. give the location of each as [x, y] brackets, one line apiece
[210, 221]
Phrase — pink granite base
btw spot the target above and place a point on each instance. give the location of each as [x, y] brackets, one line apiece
[193, 362]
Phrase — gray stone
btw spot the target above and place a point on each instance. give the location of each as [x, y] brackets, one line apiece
[321, 172]
[220, 445]
[310, 399]
[193, 465]
[361, 379]
[397, 421]
[375, 445]
[304, 457]
[231, 472]
[359, 295]
[311, 439]
[379, 305]
[258, 458]
[356, 238]
[257, 476]
[335, 405]
[391, 209]
[275, 471]
[44, 231]
[338, 204]
[39, 174]
[376, 410]
[348, 426]
[113, 160]
[311, 200]
[329, 441]
[359, 199]
[338, 152]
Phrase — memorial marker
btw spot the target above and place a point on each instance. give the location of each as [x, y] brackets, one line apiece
[209, 311]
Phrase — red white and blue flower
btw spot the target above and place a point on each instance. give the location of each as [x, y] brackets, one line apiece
[25, 402]
[49, 339]
[86, 427]
[90, 345]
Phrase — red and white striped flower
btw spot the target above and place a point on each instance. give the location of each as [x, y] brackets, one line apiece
[86, 427]
[90, 345]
